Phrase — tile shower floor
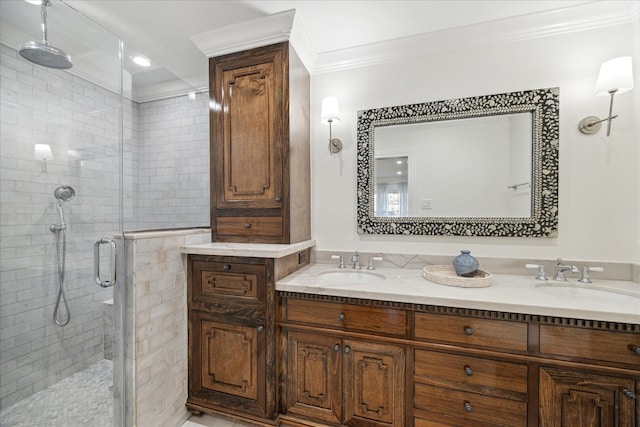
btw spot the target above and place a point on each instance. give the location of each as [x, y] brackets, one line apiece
[84, 399]
[81, 400]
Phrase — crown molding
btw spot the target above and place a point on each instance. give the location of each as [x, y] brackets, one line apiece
[545, 24]
[246, 35]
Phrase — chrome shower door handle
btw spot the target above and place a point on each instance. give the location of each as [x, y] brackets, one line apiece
[96, 262]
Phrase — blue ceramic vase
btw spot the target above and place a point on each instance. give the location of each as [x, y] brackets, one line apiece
[465, 264]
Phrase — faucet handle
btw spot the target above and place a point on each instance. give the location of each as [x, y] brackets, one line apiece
[371, 259]
[541, 275]
[584, 278]
[341, 258]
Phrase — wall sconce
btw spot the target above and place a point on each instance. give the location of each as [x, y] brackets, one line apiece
[616, 76]
[43, 152]
[330, 114]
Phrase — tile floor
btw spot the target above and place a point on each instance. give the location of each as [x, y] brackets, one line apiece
[83, 399]
[80, 400]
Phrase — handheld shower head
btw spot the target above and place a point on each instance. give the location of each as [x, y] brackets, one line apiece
[64, 193]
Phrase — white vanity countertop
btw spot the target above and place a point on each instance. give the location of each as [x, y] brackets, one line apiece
[256, 250]
[607, 300]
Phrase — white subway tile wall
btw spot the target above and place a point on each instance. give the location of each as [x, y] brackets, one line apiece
[173, 177]
[165, 182]
[157, 283]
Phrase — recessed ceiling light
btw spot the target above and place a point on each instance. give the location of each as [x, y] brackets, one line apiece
[399, 162]
[399, 173]
[141, 61]
[38, 2]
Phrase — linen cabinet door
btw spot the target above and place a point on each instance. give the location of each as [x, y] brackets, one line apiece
[570, 398]
[227, 365]
[314, 376]
[248, 144]
[374, 384]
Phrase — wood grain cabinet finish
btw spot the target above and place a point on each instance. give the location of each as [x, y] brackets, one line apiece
[337, 380]
[260, 178]
[232, 333]
[571, 398]
[373, 320]
[470, 331]
[459, 389]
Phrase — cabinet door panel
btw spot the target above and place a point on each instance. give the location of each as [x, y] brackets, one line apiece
[229, 354]
[250, 156]
[578, 399]
[314, 376]
[228, 366]
[374, 384]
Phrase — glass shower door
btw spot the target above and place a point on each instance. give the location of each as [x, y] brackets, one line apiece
[62, 143]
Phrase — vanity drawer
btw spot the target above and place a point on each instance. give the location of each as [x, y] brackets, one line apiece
[385, 321]
[269, 226]
[442, 406]
[470, 331]
[450, 370]
[591, 344]
[213, 279]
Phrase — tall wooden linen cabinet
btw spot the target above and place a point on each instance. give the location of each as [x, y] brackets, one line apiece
[259, 115]
[260, 193]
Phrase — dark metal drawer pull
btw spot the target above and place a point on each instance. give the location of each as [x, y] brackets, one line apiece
[630, 395]
[226, 267]
[468, 330]
[636, 349]
[468, 407]
[468, 370]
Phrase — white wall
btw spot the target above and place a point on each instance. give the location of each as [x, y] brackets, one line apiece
[599, 180]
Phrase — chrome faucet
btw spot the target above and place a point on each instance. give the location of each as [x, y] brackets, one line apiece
[561, 268]
[355, 259]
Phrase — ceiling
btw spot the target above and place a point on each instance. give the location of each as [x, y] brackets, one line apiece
[333, 32]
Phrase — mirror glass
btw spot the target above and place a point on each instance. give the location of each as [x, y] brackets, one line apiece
[481, 166]
[447, 153]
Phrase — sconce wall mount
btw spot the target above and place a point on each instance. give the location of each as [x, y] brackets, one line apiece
[331, 114]
[616, 77]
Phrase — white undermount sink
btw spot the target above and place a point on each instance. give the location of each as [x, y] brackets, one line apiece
[350, 276]
[588, 289]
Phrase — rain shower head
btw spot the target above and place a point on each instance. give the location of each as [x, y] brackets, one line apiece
[64, 193]
[42, 53]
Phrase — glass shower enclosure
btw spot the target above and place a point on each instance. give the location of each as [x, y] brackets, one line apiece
[65, 137]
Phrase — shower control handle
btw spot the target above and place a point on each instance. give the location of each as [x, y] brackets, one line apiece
[96, 262]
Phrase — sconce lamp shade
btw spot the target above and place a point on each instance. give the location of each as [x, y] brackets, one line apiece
[330, 110]
[615, 74]
[42, 152]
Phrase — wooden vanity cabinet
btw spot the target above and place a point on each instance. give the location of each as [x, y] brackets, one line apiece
[454, 386]
[260, 173]
[589, 395]
[578, 398]
[338, 370]
[232, 333]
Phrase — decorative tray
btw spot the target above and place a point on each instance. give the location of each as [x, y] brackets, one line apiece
[446, 275]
